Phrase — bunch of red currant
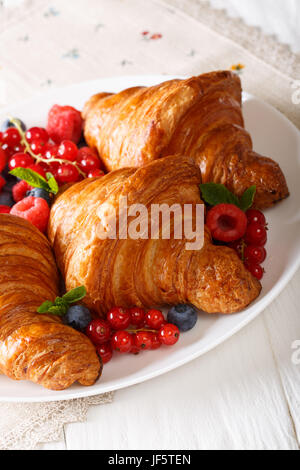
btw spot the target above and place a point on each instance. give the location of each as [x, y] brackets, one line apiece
[251, 248]
[33, 149]
[113, 334]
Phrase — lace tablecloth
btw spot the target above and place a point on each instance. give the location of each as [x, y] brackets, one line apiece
[39, 50]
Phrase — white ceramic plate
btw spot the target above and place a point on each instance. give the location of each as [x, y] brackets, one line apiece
[273, 136]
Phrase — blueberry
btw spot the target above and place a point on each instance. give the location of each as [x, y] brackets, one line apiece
[41, 193]
[78, 317]
[6, 199]
[7, 124]
[183, 316]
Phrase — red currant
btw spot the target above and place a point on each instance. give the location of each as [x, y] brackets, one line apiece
[169, 334]
[22, 160]
[122, 341]
[135, 350]
[37, 146]
[137, 316]
[254, 215]
[67, 173]
[155, 319]
[98, 331]
[256, 234]
[255, 269]
[255, 254]
[155, 341]
[50, 151]
[88, 160]
[9, 152]
[143, 340]
[3, 160]
[53, 168]
[1, 137]
[226, 222]
[95, 173]
[68, 151]
[11, 137]
[37, 133]
[119, 318]
[19, 149]
[105, 352]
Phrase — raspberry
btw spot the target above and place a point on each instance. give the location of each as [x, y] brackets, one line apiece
[33, 209]
[64, 123]
[226, 222]
[19, 190]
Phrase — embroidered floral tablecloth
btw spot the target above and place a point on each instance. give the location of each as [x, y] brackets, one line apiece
[47, 44]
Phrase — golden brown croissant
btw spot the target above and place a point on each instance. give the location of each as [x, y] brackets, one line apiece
[200, 117]
[144, 272]
[32, 346]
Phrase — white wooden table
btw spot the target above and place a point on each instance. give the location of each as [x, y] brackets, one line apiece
[243, 395]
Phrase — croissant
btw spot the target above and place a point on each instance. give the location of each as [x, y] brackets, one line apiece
[200, 117]
[144, 272]
[36, 347]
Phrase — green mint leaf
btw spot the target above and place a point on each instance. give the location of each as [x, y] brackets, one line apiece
[75, 295]
[214, 194]
[52, 183]
[44, 308]
[62, 304]
[247, 198]
[59, 311]
[31, 177]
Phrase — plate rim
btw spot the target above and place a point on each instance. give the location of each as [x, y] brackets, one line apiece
[257, 309]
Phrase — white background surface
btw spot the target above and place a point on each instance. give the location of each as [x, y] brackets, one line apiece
[243, 395]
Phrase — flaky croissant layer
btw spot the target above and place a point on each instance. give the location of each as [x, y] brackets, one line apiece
[36, 347]
[200, 117]
[144, 272]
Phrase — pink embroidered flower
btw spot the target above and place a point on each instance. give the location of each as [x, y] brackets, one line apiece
[156, 36]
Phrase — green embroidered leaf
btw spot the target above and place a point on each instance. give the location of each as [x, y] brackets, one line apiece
[247, 198]
[214, 194]
[75, 295]
[44, 308]
[31, 177]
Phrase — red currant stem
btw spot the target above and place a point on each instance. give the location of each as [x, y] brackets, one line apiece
[243, 250]
[142, 330]
[39, 157]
